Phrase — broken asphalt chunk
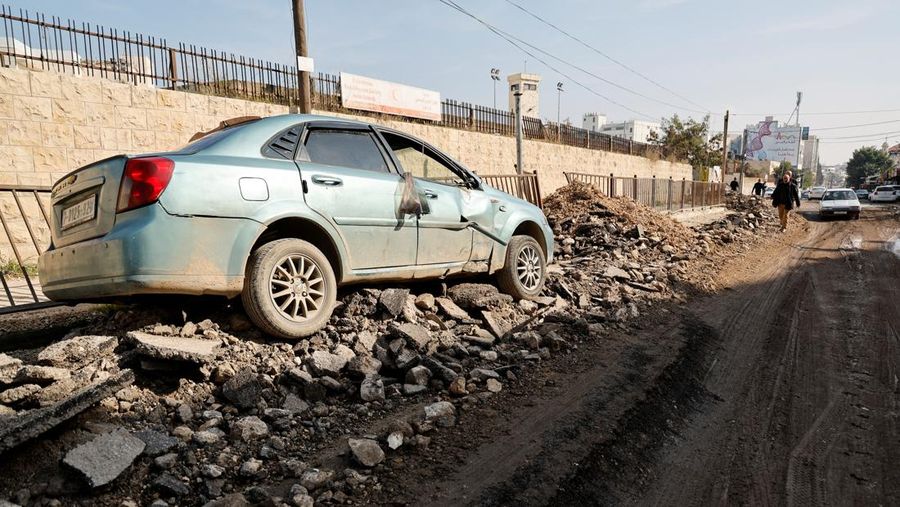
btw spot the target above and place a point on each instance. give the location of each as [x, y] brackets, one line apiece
[104, 458]
[78, 351]
[175, 348]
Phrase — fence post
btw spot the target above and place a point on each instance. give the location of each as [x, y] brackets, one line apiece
[653, 193]
[631, 148]
[612, 185]
[588, 139]
[683, 181]
[634, 189]
[173, 68]
[693, 193]
[669, 199]
[471, 116]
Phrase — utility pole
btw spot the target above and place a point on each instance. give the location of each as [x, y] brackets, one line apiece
[725, 146]
[518, 96]
[305, 104]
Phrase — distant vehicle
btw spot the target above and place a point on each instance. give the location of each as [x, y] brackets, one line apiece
[804, 194]
[839, 202]
[768, 192]
[817, 192]
[884, 193]
[862, 193]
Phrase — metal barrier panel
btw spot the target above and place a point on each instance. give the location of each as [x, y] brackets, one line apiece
[24, 234]
[660, 194]
[524, 186]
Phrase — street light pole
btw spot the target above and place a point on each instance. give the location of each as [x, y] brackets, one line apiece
[518, 112]
[495, 77]
[559, 90]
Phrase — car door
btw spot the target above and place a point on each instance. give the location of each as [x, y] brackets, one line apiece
[444, 235]
[351, 181]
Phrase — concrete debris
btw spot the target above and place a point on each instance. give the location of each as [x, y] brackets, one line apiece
[19, 394]
[249, 428]
[105, 457]
[175, 348]
[9, 367]
[393, 300]
[35, 374]
[442, 413]
[243, 389]
[366, 451]
[77, 352]
[372, 389]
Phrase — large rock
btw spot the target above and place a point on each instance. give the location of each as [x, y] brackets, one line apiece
[451, 309]
[442, 413]
[366, 451]
[322, 363]
[314, 478]
[363, 366]
[418, 375]
[617, 273]
[249, 428]
[477, 295]
[371, 389]
[78, 351]
[175, 348]
[104, 458]
[393, 300]
[19, 394]
[9, 367]
[244, 389]
[413, 334]
[35, 374]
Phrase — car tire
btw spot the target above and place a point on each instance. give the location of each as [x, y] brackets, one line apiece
[523, 254]
[855, 216]
[289, 288]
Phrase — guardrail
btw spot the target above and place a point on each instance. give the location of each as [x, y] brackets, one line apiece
[25, 227]
[661, 194]
[524, 186]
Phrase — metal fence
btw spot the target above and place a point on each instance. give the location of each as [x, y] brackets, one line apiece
[524, 186]
[33, 40]
[661, 194]
[24, 223]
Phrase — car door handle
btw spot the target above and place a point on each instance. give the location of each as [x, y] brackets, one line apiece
[324, 180]
[430, 194]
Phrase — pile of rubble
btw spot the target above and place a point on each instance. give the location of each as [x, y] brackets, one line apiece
[219, 413]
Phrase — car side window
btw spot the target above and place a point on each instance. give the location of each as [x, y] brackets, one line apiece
[422, 162]
[346, 148]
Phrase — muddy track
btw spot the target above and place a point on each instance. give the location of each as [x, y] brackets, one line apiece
[781, 389]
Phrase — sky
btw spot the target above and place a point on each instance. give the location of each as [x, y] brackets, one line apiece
[748, 57]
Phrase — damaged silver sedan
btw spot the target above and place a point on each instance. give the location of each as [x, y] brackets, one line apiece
[280, 211]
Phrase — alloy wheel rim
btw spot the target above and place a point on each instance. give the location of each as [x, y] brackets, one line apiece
[528, 268]
[297, 288]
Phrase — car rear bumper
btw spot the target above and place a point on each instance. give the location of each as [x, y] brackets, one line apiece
[149, 251]
[838, 211]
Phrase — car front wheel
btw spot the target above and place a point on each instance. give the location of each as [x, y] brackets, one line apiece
[289, 288]
[525, 269]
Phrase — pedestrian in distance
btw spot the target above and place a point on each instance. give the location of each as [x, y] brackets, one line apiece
[759, 187]
[734, 185]
[784, 197]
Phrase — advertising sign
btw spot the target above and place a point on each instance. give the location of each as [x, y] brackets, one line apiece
[767, 141]
[360, 92]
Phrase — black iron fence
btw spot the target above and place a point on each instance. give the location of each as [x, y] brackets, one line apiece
[33, 40]
[24, 234]
[661, 194]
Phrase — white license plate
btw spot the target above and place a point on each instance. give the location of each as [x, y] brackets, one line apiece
[840, 212]
[79, 213]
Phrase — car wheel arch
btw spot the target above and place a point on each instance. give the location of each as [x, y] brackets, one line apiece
[308, 230]
[531, 228]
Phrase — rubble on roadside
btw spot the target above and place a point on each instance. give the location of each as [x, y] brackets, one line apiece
[223, 414]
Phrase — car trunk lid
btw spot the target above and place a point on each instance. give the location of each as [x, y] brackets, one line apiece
[84, 201]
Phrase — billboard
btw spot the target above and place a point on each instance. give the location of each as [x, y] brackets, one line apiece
[768, 141]
[360, 92]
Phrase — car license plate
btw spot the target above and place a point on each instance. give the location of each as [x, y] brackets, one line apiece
[80, 212]
[840, 212]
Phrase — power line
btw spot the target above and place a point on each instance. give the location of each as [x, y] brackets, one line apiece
[512, 40]
[875, 135]
[601, 53]
[871, 111]
[857, 125]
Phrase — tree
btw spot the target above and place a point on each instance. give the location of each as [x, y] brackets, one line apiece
[867, 161]
[689, 141]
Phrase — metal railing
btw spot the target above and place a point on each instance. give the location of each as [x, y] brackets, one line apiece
[658, 193]
[524, 186]
[25, 224]
[32, 40]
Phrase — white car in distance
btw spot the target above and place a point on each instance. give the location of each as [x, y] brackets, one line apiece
[816, 192]
[839, 202]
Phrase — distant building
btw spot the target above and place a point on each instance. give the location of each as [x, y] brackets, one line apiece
[528, 85]
[810, 153]
[635, 130]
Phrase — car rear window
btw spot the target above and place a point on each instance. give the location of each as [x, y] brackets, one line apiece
[840, 195]
[884, 189]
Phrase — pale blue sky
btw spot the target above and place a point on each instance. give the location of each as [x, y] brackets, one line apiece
[749, 56]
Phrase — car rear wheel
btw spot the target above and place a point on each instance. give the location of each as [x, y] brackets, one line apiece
[289, 288]
[525, 269]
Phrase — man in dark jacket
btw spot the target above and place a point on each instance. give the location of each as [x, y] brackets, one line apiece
[784, 197]
[734, 185]
[759, 187]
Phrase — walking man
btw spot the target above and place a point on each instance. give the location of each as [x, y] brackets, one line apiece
[734, 185]
[784, 197]
[759, 187]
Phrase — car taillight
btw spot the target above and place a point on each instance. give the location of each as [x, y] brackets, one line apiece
[143, 180]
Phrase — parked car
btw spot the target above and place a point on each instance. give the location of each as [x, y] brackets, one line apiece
[884, 193]
[804, 194]
[839, 202]
[816, 192]
[281, 211]
[862, 193]
[768, 192]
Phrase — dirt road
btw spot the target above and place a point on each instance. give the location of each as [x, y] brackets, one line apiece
[782, 389]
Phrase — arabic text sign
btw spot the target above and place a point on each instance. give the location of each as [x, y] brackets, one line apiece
[359, 92]
[779, 144]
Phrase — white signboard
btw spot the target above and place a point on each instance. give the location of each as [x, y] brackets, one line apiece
[360, 92]
[769, 142]
[306, 64]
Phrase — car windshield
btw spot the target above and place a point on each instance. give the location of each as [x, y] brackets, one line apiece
[839, 195]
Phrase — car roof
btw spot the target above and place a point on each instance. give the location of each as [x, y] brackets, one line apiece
[839, 190]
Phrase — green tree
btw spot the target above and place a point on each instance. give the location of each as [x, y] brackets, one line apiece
[689, 141]
[867, 161]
